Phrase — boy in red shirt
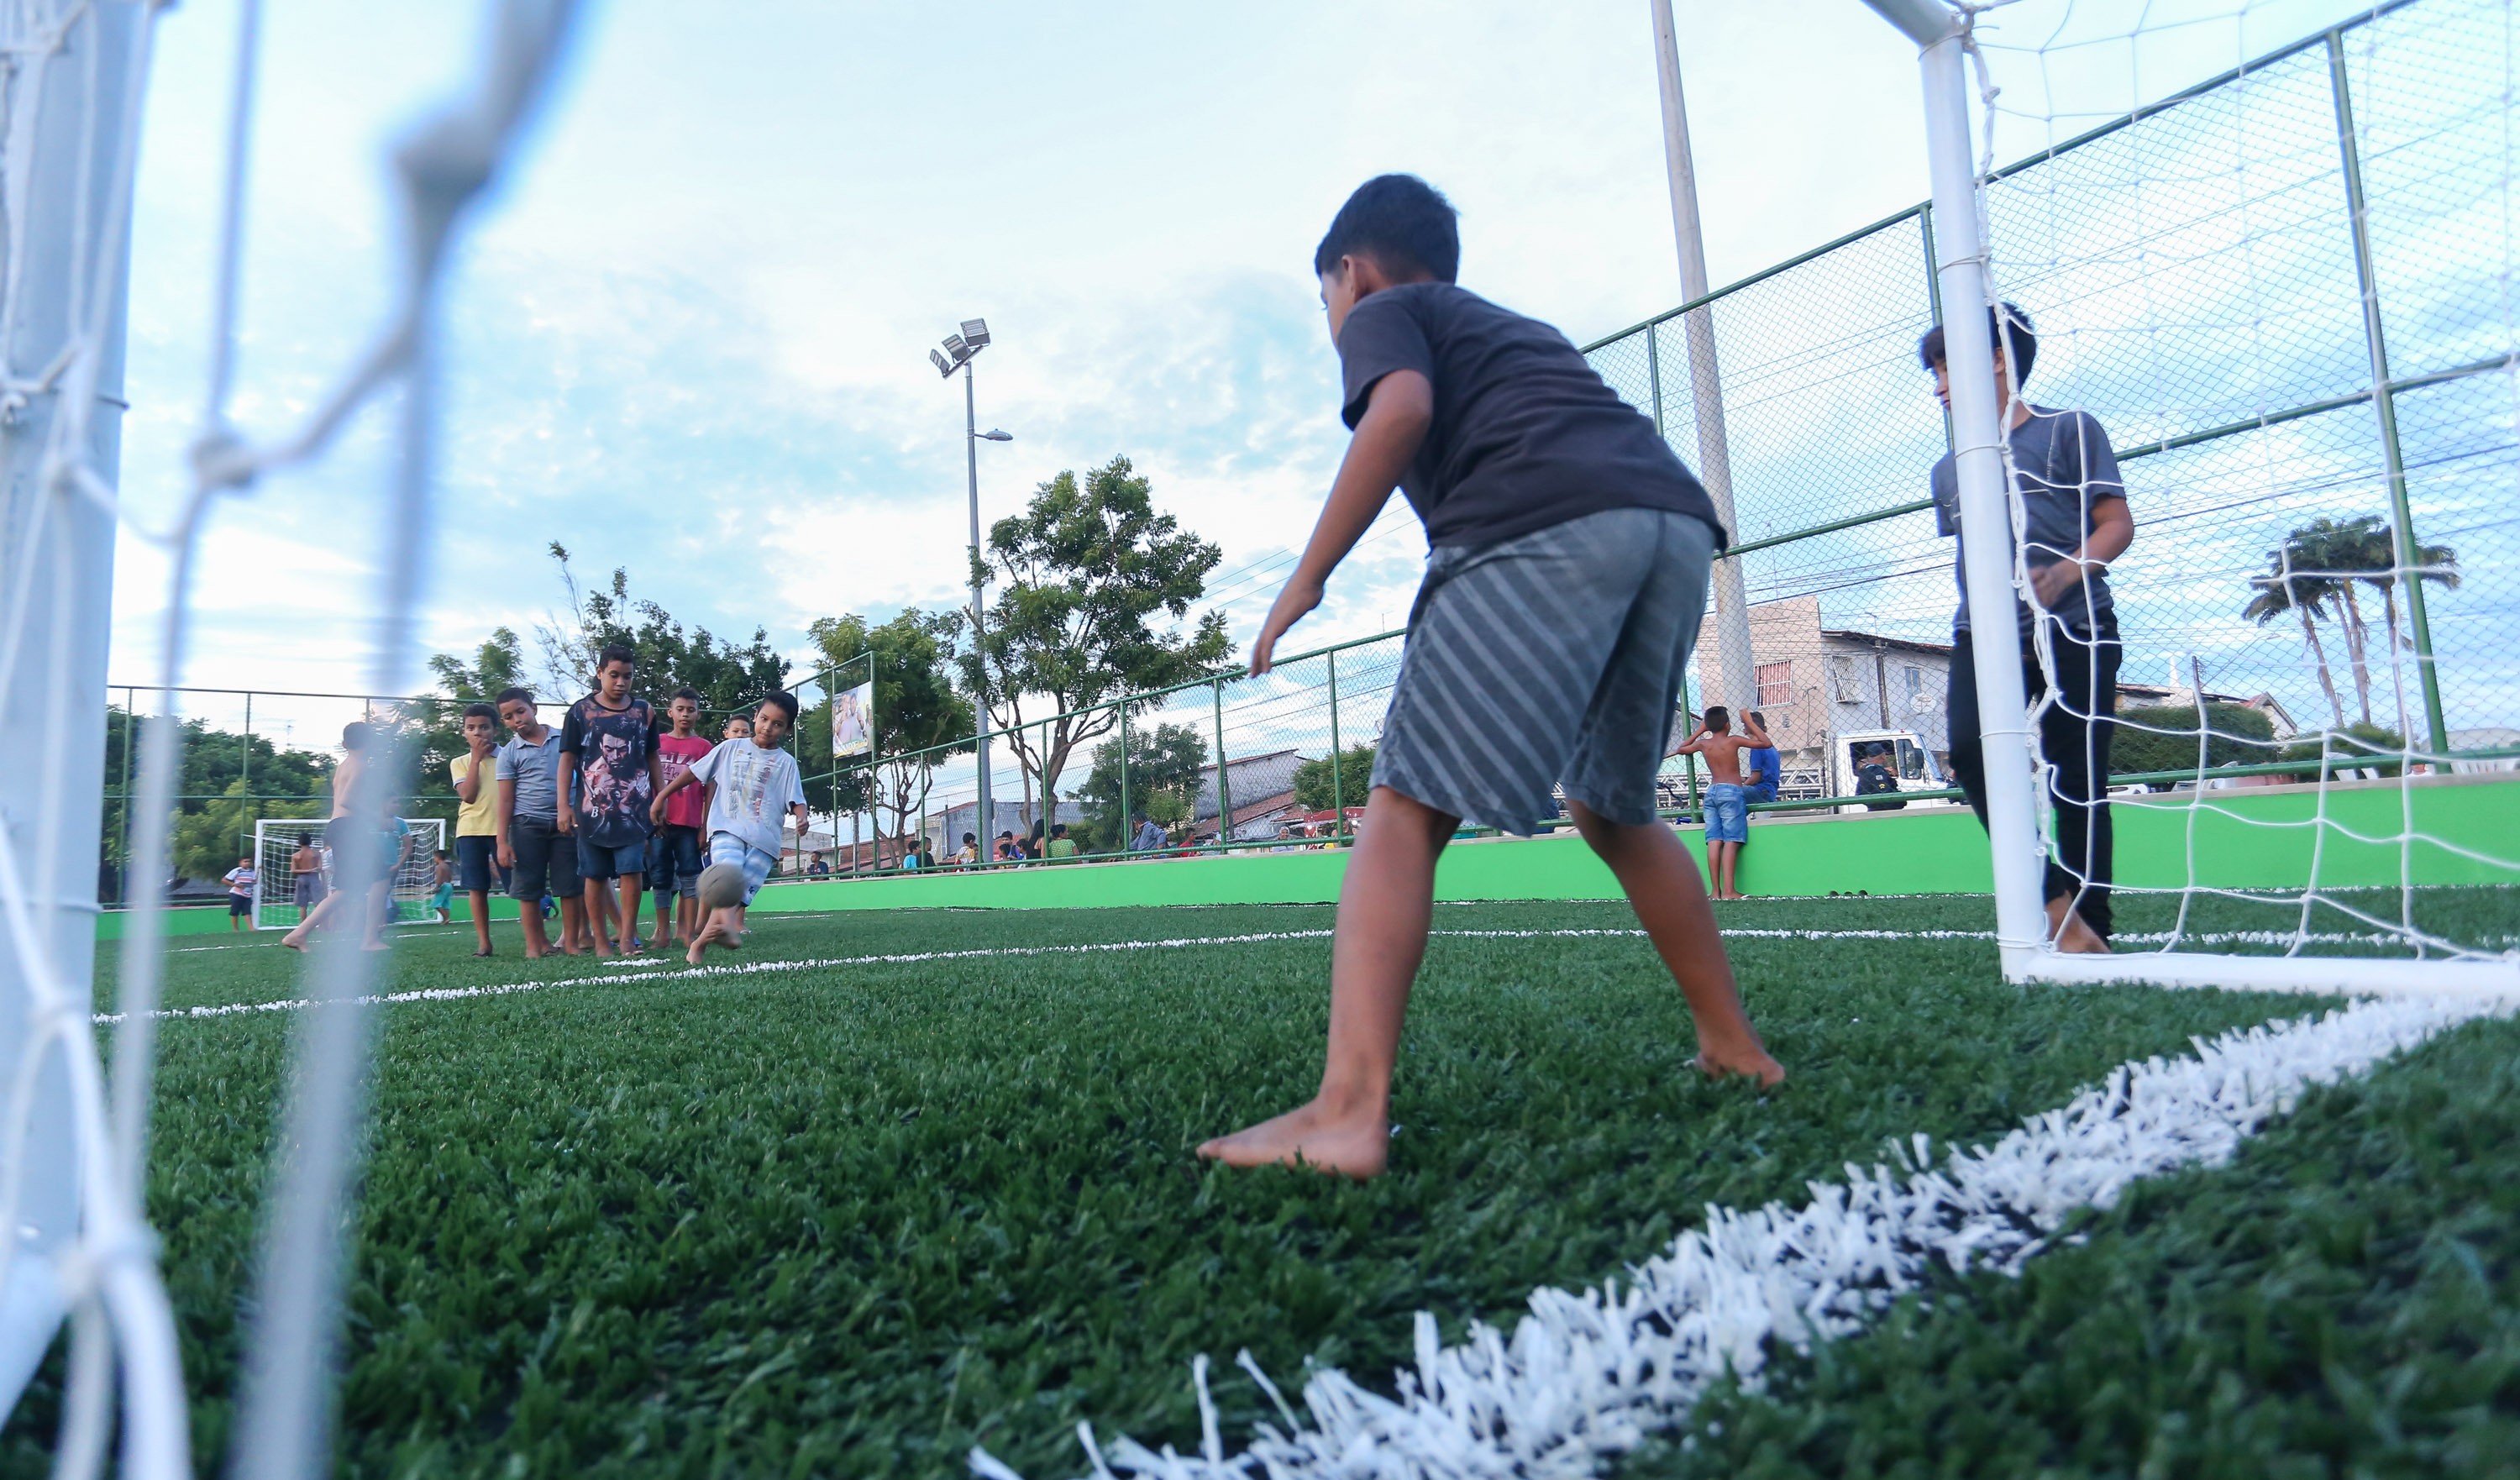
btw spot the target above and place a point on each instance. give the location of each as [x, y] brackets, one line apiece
[674, 860]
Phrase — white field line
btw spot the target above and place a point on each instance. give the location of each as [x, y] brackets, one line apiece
[664, 969]
[1588, 1375]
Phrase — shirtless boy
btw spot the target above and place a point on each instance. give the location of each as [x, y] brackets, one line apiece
[1727, 801]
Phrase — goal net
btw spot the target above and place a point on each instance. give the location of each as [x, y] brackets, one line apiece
[73, 1149]
[284, 894]
[2246, 298]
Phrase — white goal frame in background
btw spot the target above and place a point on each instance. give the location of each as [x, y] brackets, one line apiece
[1995, 582]
[274, 886]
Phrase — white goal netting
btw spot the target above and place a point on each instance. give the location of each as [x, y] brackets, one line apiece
[286, 893]
[2244, 309]
[73, 1147]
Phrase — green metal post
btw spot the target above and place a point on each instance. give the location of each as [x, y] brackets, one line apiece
[1126, 837]
[2384, 402]
[1338, 788]
[1653, 378]
[1224, 792]
[123, 876]
[1692, 760]
[1934, 297]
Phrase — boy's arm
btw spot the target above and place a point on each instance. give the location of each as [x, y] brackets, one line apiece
[468, 787]
[656, 808]
[561, 782]
[506, 815]
[2112, 531]
[1387, 437]
[1757, 733]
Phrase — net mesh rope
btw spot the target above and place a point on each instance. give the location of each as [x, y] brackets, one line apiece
[2187, 273]
[120, 1318]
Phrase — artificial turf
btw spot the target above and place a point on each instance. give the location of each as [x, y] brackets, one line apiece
[856, 1219]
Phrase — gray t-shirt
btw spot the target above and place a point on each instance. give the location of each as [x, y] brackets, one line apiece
[535, 769]
[2065, 466]
[755, 787]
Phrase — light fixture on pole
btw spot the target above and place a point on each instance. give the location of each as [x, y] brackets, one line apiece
[957, 353]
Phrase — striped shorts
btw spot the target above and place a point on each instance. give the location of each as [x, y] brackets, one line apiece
[1557, 655]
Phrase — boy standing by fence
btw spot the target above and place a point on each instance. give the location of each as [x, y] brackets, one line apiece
[1728, 795]
[477, 816]
[607, 776]
[241, 884]
[1566, 576]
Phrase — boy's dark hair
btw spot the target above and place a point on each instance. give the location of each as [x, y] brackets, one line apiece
[355, 735]
[1059, 830]
[482, 711]
[969, 839]
[515, 696]
[614, 653]
[1400, 221]
[688, 693]
[2008, 328]
[1758, 719]
[784, 701]
[1719, 718]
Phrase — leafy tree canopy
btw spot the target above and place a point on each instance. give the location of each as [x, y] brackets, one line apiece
[1314, 783]
[2163, 738]
[916, 710]
[1164, 766]
[670, 656]
[1095, 587]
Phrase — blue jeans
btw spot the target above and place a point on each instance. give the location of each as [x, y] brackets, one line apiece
[674, 861]
[1728, 814]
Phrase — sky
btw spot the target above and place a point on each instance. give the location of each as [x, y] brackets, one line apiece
[689, 335]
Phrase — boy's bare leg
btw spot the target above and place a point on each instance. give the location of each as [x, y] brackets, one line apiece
[633, 886]
[1385, 902]
[724, 926]
[572, 926]
[2071, 936]
[686, 917]
[296, 939]
[1663, 888]
[480, 899]
[529, 914]
[599, 913]
[1732, 871]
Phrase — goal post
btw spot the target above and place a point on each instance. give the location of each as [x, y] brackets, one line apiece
[283, 897]
[1968, 271]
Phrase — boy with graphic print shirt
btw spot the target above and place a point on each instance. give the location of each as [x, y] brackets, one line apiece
[607, 776]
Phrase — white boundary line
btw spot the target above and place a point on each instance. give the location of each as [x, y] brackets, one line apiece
[649, 969]
[1588, 1375]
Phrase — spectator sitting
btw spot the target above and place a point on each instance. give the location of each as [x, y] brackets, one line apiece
[1874, 777]
[970, 851]
[1060, 845]
[1007, 850]
[1150, 838]
[819, 867]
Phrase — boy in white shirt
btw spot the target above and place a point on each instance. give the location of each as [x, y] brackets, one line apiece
[240, 883]
[757, 784]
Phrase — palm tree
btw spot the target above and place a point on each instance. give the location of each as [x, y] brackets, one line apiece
[2366, 551]
[2286, 588]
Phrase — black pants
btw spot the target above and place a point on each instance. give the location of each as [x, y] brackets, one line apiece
[2074, 735]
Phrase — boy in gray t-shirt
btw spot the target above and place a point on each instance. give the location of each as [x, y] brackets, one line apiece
[2075, 521]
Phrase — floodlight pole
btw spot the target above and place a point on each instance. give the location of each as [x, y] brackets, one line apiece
[1738, 669]
[979, 651]
[2003, 709]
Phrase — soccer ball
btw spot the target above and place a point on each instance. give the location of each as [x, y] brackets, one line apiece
[721, 887]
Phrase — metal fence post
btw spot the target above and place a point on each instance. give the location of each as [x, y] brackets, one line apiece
[2384, 402]
[1339, 785]
[1126, 839]
[1224, 791]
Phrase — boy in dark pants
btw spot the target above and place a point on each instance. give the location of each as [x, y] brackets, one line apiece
[2075, 521]
[1564, 588]
[607, 773]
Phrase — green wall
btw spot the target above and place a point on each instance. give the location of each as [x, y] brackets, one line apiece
[2250, 838]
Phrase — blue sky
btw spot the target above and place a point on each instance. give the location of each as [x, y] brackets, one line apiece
[690, 336]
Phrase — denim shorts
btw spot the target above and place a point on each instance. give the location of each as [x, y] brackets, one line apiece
[600, 862]
[546, 859]
[727, 848]
[674, 861]
[1728, 813]
[1557, 655]
[476, 864]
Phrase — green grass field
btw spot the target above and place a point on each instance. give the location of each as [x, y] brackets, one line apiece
[855, 1219]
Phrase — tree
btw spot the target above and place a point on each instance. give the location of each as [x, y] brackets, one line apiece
[2319, 573]
[727, 676]
[1091, 571]
[214, 833]
[1164, 768]
[1314, 780]
[216, 800]
[2296, 585]
[2163, 738]
[919, 717]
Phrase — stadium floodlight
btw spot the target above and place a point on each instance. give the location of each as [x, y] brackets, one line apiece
[958, 353]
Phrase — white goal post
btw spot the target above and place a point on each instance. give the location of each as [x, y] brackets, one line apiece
[282, 896]
[1995, 580]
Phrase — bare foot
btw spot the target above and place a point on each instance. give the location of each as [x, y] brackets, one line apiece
[699, 943]
[1750, 1063]
[2073, 937]
[1309, 1137]
[291, 941]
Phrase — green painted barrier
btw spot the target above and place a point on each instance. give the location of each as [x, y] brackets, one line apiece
[2243, 838]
